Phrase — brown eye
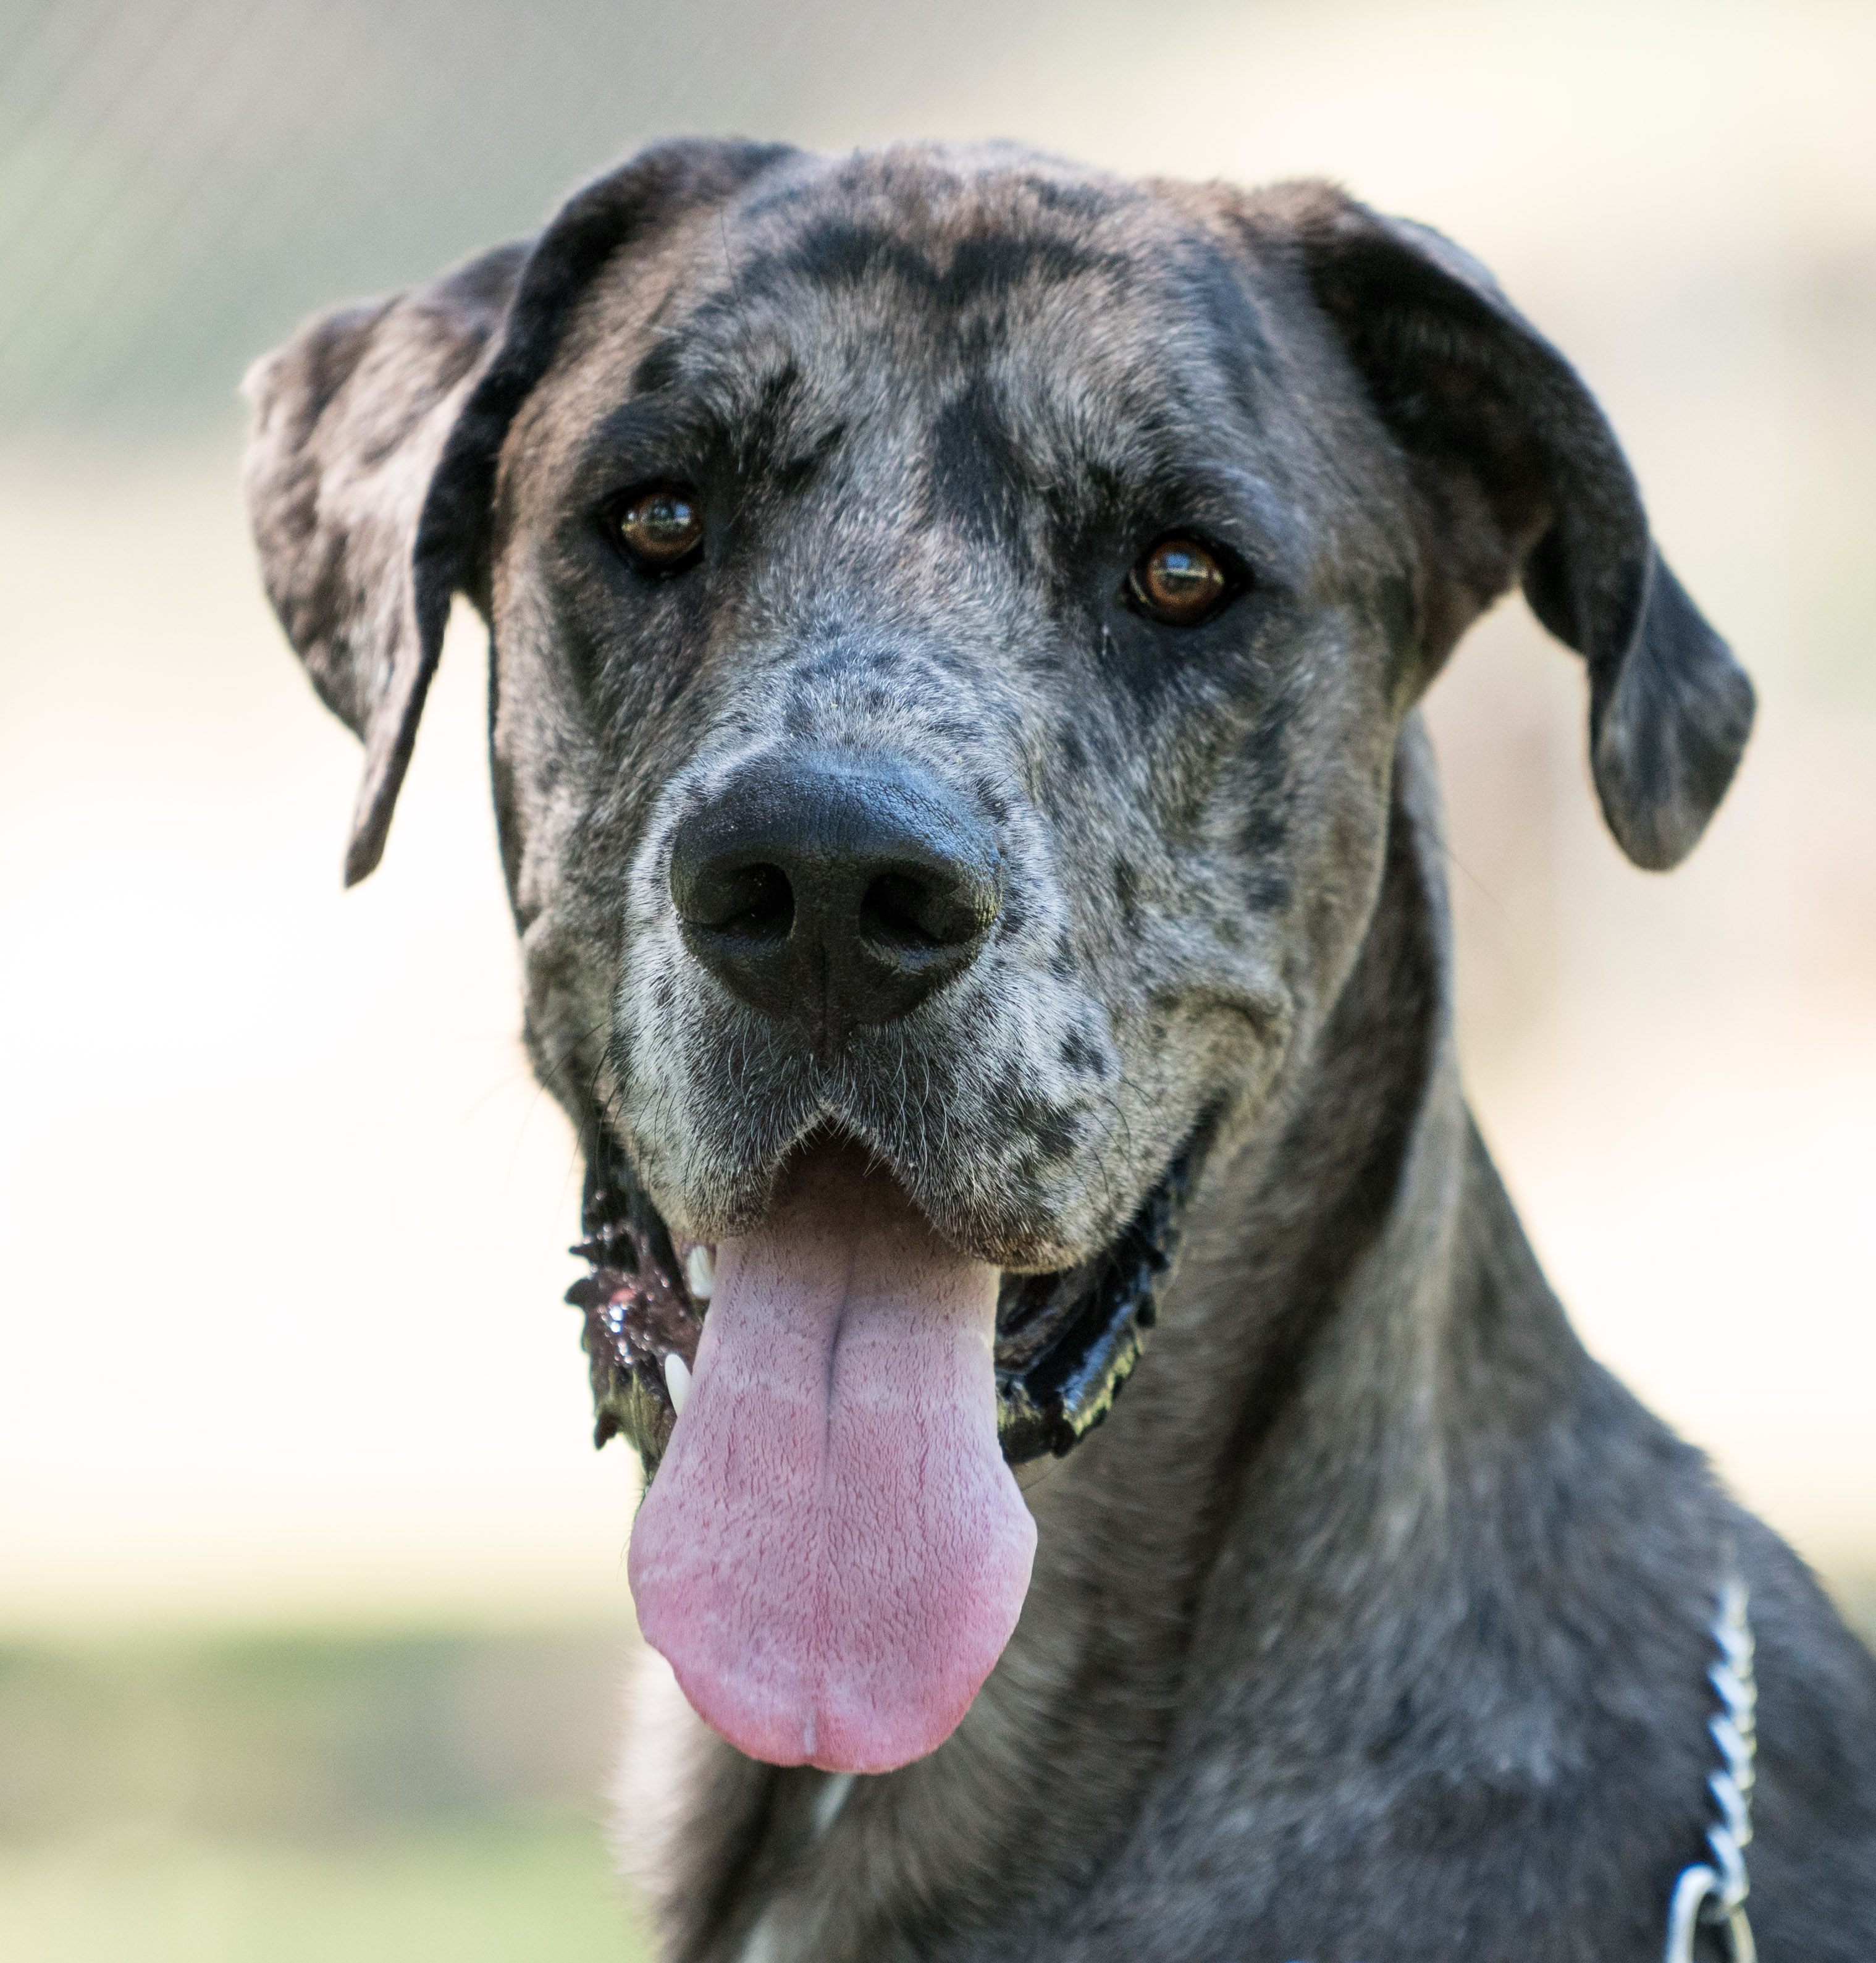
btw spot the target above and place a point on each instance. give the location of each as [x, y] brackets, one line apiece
[660, 529]
[1179, 582]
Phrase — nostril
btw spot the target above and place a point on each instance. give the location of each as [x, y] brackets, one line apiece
[754, 903]
[922, 912]
[896, 911]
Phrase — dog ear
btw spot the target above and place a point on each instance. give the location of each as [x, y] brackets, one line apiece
[371, 458]
[1519, 476]
[349, 420]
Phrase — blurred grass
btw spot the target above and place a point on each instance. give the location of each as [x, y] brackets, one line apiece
[268, 1799]
[490, 1890]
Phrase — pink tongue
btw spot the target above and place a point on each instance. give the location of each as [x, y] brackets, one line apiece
[834, 1554]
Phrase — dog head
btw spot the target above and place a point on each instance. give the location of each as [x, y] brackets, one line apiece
[952, 616]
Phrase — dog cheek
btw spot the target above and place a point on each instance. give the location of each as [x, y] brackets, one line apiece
[564, 1019]
[1070, 1147]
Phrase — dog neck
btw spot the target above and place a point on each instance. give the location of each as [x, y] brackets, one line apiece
[1234, 1573]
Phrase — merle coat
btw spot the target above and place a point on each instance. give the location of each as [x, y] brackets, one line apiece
[1371, 1625]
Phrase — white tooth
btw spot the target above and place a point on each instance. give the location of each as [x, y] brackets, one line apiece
[700, 1272]
[676, 1381]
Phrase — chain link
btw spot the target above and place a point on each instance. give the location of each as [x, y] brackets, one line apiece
[1714, 1893]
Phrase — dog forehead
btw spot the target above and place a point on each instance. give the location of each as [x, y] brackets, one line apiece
[944, 242]
[882, 288]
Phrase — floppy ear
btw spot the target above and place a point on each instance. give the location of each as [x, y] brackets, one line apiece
[349, 420]
[1519, 476]
[371, 459]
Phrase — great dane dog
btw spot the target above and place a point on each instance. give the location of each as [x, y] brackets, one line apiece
[957, 625]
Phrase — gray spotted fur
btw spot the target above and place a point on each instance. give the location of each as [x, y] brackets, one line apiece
[1372, 1623]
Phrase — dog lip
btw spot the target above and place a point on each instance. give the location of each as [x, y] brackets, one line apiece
[1060, 1369]
[1067, 1340]
[639, 1321]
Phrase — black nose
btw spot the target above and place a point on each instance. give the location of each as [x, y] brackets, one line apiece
[833, 890]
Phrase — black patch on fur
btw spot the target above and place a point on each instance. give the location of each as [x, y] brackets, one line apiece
[1080, 1054]
[986, 266]
[977, 478]
[1126, 884]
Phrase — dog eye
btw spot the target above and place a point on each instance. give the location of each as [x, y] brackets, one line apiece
[660, 529]
[1178, 581]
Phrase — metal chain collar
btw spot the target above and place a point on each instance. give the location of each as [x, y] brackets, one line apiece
[1714, 1893]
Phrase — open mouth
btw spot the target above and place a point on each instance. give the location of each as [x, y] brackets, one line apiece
[1066, 1342]
[834, 1553]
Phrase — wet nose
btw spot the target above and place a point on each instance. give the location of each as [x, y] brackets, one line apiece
[829, 892]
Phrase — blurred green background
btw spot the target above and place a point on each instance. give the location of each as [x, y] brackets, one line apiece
[302, 1797]
[313, 1625]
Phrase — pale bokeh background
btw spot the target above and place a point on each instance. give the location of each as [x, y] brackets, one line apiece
[281, 1215]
